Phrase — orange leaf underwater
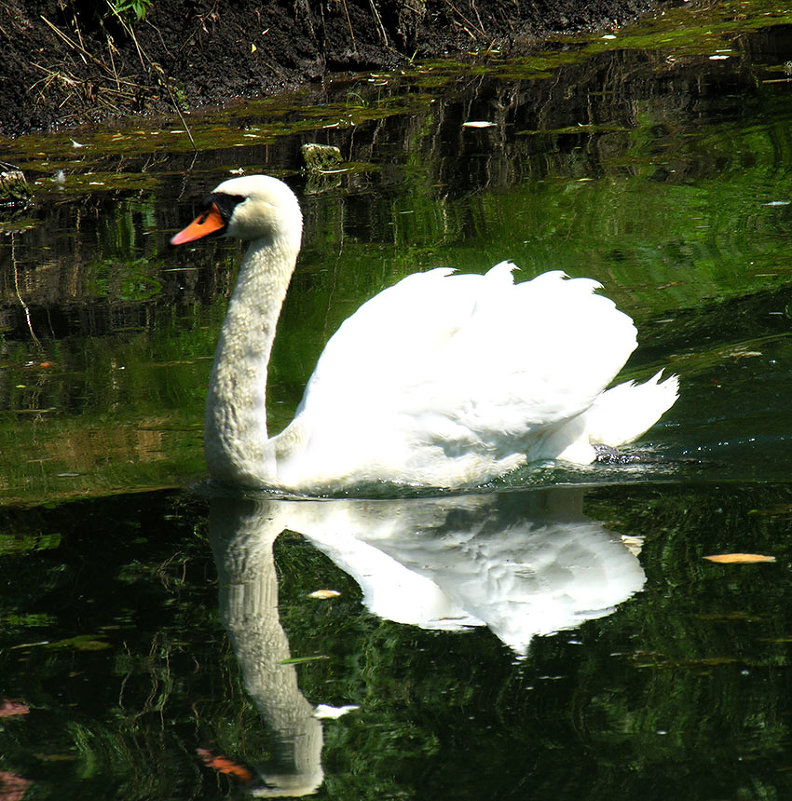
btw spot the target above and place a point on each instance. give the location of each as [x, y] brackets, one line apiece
[740, 558]
[13, 787]
[224, 765]
[10, 708]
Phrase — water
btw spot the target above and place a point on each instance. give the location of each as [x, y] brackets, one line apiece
[114, 641]
[557, 636]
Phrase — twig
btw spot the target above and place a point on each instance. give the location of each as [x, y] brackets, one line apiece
[18, 291]
[465, 19]
[109, 41]
[72, 43]
[128, 28]
[175, 105]
[380, 26]
[349, 25]
[151, 66]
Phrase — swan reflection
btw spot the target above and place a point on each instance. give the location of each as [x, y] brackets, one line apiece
[522, 564]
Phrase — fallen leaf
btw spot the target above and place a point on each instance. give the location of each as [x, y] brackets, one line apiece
[739, 558]
[13, 787]
[224, 765]
[324, 594]
[9, 709]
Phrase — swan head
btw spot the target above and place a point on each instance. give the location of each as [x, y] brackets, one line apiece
[247, 208]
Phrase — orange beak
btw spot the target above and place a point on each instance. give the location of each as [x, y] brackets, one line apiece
[207, 223]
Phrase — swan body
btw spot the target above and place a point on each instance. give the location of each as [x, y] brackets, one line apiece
[442, 380]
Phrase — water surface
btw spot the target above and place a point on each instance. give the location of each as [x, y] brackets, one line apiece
[558, 635]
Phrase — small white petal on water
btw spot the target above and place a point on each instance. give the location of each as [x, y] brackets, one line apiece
[332, 712]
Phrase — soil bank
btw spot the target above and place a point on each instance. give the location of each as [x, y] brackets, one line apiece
[65, 62]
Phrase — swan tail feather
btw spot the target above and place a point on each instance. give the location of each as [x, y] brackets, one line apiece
[623, 413]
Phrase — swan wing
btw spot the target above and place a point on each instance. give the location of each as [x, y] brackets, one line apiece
[458, 370]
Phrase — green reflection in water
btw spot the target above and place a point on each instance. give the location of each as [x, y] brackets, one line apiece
[681, 692]
[675, 199]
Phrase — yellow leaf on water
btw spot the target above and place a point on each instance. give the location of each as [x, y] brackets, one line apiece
[740, 558]
[324, 594]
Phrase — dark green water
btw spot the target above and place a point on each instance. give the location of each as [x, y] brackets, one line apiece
[113, 639]
[523, 642]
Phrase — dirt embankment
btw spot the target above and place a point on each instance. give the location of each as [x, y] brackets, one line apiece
[69, 61]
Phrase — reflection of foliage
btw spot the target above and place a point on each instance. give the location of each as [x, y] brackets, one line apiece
[127, 281]
[680, 693]
[16, 543]
[711, 638]
[145, 672]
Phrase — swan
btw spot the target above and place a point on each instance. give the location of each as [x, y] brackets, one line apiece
[442, 380]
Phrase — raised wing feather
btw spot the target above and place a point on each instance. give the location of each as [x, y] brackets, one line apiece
[473, 367]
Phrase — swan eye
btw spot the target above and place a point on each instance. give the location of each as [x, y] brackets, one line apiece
[223, 203]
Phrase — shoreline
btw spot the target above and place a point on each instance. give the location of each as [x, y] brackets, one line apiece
[72, 63]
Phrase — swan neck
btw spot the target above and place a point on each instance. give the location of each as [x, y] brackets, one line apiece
[237, 447]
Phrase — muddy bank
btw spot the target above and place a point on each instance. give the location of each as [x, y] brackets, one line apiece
[69, 61]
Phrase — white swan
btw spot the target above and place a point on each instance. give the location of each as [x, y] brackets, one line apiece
[442, 380]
